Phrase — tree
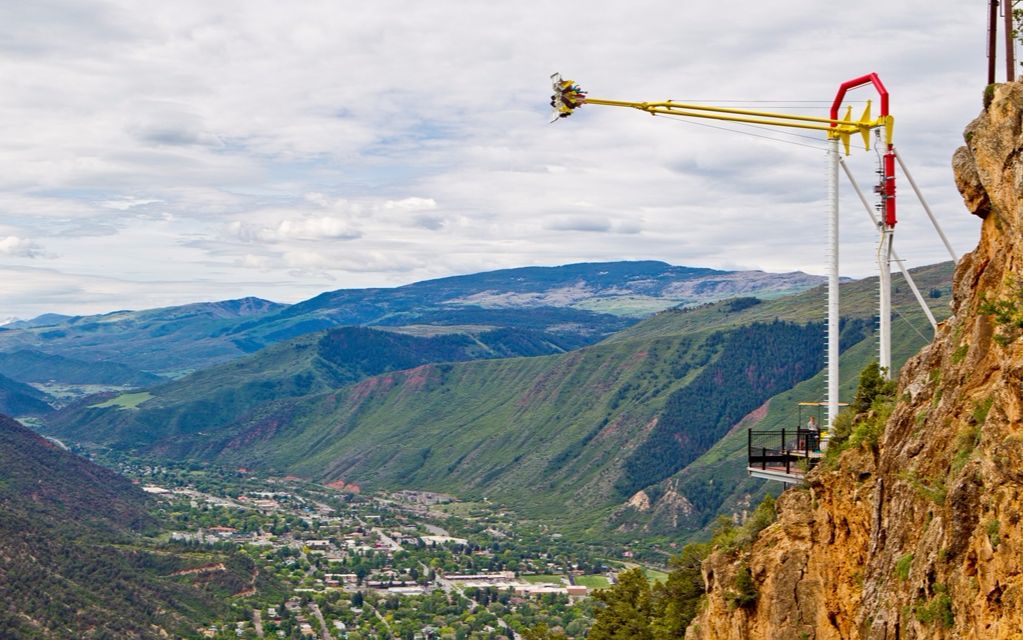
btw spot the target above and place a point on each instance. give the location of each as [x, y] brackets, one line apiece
[678, 598]
[628, 609]
[542, 632]
[1017, 21]
[872, 385]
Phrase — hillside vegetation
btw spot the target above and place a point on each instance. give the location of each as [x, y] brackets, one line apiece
[20, 399]
[215, 397]
[35, 366]
[73, 563]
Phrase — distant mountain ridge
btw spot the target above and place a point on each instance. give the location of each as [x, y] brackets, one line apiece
[44, 320]
[36, 366]
[163, 339]
[575, 305]
[632, 288]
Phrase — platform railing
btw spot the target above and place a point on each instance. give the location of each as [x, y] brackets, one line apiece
[783, 449]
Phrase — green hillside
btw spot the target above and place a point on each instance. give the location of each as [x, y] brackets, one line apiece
[73, 562]
[575, 435]
[35, 366]
[717, 481]
[586, 429]
[20, 399]
[213, 398]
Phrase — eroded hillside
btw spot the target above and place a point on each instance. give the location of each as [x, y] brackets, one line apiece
[920, 536]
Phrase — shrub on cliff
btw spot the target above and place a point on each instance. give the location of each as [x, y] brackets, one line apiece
[745, 594]
[863, 424]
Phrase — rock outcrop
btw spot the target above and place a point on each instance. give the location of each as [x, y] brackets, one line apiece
[922, 538]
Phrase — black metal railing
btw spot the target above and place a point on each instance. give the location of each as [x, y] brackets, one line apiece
[788, 449]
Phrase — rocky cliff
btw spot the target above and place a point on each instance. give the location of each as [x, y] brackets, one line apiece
[920, 535]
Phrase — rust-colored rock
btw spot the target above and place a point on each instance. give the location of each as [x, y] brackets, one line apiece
[926, 539]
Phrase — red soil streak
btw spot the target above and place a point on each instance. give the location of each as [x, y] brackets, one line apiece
[548, 381]
[636, 359]
[341, 485]
[416, 379]
[752, 418]
[369, 386]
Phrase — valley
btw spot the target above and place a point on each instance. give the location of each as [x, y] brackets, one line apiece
[350, 565]
[634, 434]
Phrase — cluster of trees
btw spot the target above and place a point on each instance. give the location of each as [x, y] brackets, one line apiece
[864, 421]
[635, 609]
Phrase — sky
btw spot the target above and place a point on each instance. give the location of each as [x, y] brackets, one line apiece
[161, 153]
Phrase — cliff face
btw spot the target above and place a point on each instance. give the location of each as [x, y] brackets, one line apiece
[922, 538]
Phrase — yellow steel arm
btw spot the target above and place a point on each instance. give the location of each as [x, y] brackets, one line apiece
[568, 97]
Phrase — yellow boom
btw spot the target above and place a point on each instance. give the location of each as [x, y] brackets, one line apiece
[568, 97]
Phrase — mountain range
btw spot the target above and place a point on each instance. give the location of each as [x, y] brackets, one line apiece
[573, 305]
[636, 432]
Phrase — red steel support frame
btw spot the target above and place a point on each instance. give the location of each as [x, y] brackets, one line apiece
[889, 156]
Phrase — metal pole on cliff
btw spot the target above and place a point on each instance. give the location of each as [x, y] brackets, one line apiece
[884, 264]
[992, 38]
[832, 281]
[1010, 43]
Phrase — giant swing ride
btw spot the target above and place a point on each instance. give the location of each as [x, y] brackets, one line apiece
[777, 462]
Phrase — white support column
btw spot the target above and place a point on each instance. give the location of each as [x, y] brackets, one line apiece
[884, 263]
[832, 357]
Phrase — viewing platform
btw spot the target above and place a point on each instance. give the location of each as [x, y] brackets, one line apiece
[785, 455]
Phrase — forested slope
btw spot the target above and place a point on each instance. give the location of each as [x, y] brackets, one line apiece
[35, 366]
[20, 399]
[213, 398]
[72, 562]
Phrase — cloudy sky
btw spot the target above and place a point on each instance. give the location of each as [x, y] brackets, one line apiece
[157, 153]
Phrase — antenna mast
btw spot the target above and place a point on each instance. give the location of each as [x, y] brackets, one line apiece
[1010, 62]
[992, 39]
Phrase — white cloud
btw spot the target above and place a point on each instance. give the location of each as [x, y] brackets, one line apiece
[306, 260]
[411, 204]
[20, 247]
[593, 224]
[296, 229]
[251, 261]
[127, 202]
